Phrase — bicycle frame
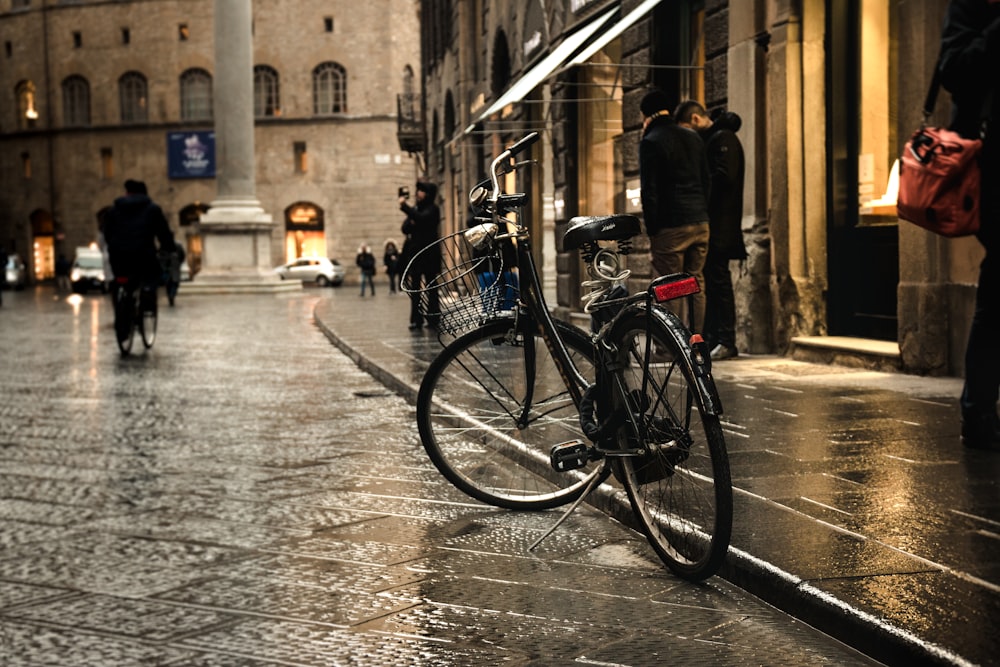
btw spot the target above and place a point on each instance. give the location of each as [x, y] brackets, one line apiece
[534, 310]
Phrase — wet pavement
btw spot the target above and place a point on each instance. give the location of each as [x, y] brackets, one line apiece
[245, 495]
[856, 507]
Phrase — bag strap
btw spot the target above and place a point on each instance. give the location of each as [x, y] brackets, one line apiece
[932, 93]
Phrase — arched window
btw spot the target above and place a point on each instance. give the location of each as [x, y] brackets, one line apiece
[76, 101]
[329, 89]
[133, 98]
[265, 92]
[196, 95]
[27, 113]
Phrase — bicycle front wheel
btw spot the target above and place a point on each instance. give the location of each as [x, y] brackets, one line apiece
[147, 318]
[490, 408]
[124, 319]
[680, 487]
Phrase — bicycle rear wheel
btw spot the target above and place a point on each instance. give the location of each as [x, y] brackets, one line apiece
[124, 318]
[680, 488]
[490, 408]
[147, 317]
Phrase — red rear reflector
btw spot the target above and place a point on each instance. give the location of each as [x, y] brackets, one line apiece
[121, 280]
[695, 339]
[675, 290]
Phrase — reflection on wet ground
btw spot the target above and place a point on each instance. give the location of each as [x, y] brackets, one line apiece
[852, 483]
[243, 494]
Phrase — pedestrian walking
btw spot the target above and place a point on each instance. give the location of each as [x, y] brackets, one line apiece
[390, 258]
[727, 166]
[170, 263]
[366, 262]
[674, 177]
[970, 50]
[421, 229]
[63, 268]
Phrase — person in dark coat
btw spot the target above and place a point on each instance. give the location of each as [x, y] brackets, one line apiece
[673, 172]
[390, 258]
[970, 53]
[727, 166]
[421, 228]
[132, 228]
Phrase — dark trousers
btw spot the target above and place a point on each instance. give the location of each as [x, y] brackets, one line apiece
[982, 354]
[424, 301]
[720, 301]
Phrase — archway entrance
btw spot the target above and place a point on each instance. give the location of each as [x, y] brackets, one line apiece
[304, 236]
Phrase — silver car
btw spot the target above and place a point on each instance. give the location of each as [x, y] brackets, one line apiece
[320, 270]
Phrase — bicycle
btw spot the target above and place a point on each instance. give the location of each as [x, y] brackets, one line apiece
[501, 408]
[135, 308]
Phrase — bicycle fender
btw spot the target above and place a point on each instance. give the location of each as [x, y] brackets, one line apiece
[696, 359]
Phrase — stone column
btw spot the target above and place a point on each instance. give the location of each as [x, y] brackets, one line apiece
[236, 232]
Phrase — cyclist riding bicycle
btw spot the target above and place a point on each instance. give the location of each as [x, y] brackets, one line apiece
[132, 228]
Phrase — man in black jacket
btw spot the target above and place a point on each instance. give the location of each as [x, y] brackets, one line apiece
[131, 229]
[421, 230]
[727, 166]
[970, 52]
[673, 172]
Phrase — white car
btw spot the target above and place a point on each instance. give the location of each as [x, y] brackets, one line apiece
[15, 273]
[320, 270]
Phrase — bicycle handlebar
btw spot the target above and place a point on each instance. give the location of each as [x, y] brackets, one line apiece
[496, 167]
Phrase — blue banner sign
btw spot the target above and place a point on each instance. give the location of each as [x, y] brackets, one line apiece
[191, 154]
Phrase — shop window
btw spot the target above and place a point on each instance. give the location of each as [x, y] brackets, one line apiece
[196, 95]
[304, 235]
[878, 169]
[266, 101]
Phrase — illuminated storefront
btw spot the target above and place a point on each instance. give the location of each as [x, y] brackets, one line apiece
[304, 236]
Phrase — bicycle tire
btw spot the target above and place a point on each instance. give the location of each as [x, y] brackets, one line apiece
[467, 412]
[124, 319]
[147, 320]
[681, 489]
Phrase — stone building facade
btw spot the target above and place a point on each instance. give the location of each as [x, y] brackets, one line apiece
[102, 91]
[828, 90]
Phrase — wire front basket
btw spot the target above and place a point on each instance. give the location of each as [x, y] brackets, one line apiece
[458, 287]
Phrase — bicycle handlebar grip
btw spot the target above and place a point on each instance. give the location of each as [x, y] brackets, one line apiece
[523, 144]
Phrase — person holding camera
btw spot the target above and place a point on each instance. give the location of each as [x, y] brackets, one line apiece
[421, 230]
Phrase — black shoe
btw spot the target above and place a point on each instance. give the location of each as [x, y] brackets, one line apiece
[981, 431]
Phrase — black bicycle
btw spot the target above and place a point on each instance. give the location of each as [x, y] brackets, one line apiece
[501, 409]
[135, 309]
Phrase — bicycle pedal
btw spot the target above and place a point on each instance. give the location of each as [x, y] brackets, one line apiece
[569, 455]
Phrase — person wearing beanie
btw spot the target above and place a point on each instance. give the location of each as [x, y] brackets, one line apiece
[727, 165]
[675, 182]
[421, 230]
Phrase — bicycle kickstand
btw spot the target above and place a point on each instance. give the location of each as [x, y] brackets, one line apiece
[595, 478]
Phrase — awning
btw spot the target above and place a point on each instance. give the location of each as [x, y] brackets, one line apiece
[545, 67]
[617, 29]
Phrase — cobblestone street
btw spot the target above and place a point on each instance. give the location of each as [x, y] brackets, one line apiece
[243, 494]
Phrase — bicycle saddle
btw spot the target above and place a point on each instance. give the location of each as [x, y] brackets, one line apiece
[586, 228]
